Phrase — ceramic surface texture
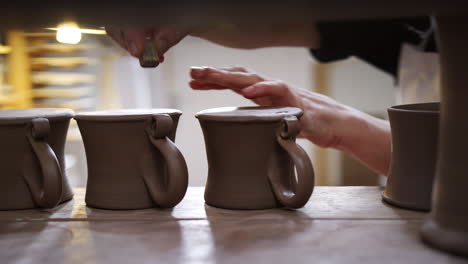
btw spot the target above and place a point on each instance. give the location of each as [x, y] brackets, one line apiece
[251, 155]
[414, 154]
[32, 158]
[447, 226]
[132, 160]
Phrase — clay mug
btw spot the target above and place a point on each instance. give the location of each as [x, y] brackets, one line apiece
[251, 155]
[32, 158]
[132, 160]
[446, 227]
[414, 154]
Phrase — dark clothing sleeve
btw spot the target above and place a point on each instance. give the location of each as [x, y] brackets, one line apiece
[377, 42]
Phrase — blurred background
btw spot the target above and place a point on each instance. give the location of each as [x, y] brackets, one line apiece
[84, 70]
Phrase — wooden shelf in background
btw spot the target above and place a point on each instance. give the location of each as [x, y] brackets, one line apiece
[58, 48]
[40, 34]
[60, 78]
[78, 104]
[43, 63]
[72, 92]
[7, 100]
[19, 72]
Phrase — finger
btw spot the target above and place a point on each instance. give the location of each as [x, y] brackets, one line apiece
[233, 80]
[235, 69]
[167, 36]
[118, 36]
[131, 40]
[242, 69]
[135, 41]
[266, 88]
[263, 101]
[201, 85]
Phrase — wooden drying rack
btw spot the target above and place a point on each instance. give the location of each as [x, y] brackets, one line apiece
[22, 51]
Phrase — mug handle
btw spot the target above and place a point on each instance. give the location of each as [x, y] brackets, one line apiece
[170, 192]
[50, 193]
[297, 194]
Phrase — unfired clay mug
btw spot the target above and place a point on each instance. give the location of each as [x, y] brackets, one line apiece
[32, 158]
[251, 157]
[414, 155]
[132, 160]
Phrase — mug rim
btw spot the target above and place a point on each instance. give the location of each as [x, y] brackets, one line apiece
[119, 115]
[416, 108]
[22, 116]
[228, 114]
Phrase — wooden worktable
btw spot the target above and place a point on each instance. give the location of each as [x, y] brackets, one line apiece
[338, 225]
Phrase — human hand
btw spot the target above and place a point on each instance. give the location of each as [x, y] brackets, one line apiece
[243, 36]
[133, 39]
[325, 122]
[323, 116]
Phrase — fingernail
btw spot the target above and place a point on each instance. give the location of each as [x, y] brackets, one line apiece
[161, 45]
[197, 72]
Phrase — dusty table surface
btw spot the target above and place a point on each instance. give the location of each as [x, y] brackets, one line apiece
[338, 225]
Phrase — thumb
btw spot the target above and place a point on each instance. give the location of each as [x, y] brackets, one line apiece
[133, 40]
[278, 92]
[266, 88]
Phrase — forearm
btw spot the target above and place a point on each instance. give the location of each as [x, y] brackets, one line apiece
[325, 122]
[260, 35]
[369, 141]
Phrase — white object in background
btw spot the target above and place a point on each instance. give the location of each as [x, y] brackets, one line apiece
[132, 83]
[418, 76]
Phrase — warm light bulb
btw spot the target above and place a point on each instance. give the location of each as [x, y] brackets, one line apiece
[68, 33]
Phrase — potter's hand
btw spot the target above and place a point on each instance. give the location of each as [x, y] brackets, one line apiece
[320, 122]
[251, 36]
[243, 36]
[133, 40]
[325, 122]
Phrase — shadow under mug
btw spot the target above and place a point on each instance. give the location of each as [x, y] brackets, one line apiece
[414, 155]
[251, 155]
[132, 160]
[32, 166]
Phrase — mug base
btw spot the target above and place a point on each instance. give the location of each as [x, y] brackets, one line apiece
[116, 205]
[30, 207]
[117, 201]
[455, 242]
[117, 208]
[404, 205]
[241, 207]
